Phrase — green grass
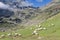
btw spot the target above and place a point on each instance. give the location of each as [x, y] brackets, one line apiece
[53, 20]
[51, 33]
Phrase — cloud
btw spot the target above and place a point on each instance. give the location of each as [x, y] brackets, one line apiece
[3, 6]
[26, 3]
[21, 3]
[39, 0]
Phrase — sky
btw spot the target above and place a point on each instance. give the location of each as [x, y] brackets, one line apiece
[4, 6]
[35, 3]
[38, 3]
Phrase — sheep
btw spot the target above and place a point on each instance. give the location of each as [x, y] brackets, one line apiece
[39, 26]
[52, 24]
[44, 28]
[2, 36]
[38, 29]
[16, 34]
[9, 34]
[35, 32]
[19, 35]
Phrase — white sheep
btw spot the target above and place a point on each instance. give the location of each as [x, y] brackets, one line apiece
[52, 24]
[2, 36]
[19, 35]
[44, 28]
[38, 29]
[16, 34]
[39, 26]
[9, 34]
[35, 32]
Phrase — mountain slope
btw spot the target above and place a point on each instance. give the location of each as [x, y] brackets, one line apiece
[29, 15]
[52, 32]
[25, 21]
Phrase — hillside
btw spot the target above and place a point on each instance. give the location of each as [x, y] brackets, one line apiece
[28, 22]
[27, 15]
[52, 31]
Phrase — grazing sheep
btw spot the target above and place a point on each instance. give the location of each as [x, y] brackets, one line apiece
[38, 29]
[9, 34]
[44, 28]
[19, 35]
[39, 26]
[16, 34]
[52, 24]
[2, 36]
[35, 32]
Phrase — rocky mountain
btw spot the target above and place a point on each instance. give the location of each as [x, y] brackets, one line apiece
[6, 13]
[27, 15]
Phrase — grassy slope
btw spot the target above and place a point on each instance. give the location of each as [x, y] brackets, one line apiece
[52, 32]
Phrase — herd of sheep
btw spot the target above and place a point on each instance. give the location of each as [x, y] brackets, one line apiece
[35, 32]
